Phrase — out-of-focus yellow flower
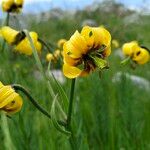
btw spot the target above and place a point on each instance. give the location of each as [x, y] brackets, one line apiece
[24, 46]
[9, 34]
[0, 33]
[10, 101]
[141, 56]
[86, 51]
[49, 57]
[130, 48]
[57, 53]
[61, 42]
[12, 5]
[20, 41]
[115, 43]
[138, 54]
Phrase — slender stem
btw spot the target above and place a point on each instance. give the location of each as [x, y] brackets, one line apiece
[6, 23]
[34, 102]
[70, 104]
[45, 44]
[69, 116]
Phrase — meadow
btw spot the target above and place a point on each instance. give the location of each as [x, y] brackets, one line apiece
[108, 114]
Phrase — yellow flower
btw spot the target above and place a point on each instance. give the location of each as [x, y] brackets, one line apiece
[20, 41]
[10, 101]
[115, 43]
[49, 57]
[85, 51]
[141, 56]
[61, 42]
[57, 53]
[129, 48]
[9, 34]
[12, 5]
[24, 46]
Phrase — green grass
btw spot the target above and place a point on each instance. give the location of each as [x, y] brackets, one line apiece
[107, 115]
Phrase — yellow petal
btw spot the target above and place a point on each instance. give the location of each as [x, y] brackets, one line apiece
[141, 56]
[9, 34]
[24, 46]
[101, 36]
[5, 91]
[61, 42]
[107, 51]
[71, 71]
[70, 50]
[19, 2]
[14, 106]
[88, 34]
[7, 4]
[79, 42]
[129, 48]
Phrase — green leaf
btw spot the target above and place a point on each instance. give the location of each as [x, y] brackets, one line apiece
[62, 94]
[54, 119]
[126, 61]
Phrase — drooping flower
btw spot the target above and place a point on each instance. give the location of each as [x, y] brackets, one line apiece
[115, 43]
[12, 6]
[20, 41]
[138, 54]
[86, 51]
[61, 42]
[57, 53]
[49, 57]
[10, 101]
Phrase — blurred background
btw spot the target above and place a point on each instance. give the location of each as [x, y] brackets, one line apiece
[111, 112]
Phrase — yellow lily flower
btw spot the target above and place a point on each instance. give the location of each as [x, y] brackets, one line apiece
[24, 46]
[20, 41]
[57, 53]
[9, 34]
[10, 101]
[85, 51]
[49, 57]
[12, 5]
[141, 56]
[129, 48]
[61, 42]
[115, 43]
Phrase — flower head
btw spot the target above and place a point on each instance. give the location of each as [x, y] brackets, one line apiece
[115, 43]
[49, 57]
[61, 42]
[138, 54]
[86, 51]
[10, 101]
[20, 41]
[12, 5]
[57, 53]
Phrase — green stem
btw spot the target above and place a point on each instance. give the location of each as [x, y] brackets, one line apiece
[6, 23]
[70, 103]
[34, 102]
[69, 116]
[39, 64]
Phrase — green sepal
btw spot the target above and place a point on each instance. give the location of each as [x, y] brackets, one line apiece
[100, 63]
[126, 61]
